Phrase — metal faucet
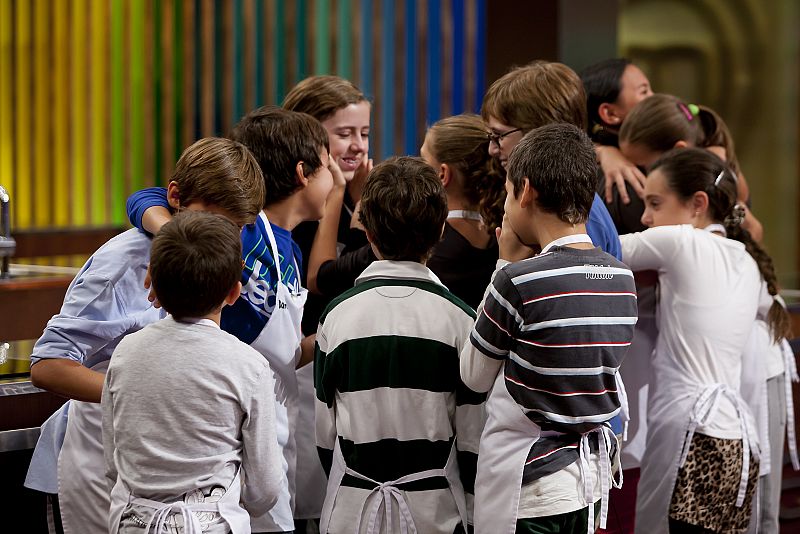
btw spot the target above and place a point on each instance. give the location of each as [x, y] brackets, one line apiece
[7, 243]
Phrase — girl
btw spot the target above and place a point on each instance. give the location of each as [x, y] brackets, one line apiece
[663, 122]
[698, 423]
[457, 147]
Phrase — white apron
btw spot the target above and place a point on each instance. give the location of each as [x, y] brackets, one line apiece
[82, 485]
[279, 342]
[505, 443]
[310, 480]
[387, 495]
[670, 429]
[236, 517]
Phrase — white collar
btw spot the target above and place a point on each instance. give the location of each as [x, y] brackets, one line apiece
[404, 270]
[201, 321]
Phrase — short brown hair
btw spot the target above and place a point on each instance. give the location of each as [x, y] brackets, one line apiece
[224, 173]
[279, 139]
[560, 164]
[195, 260]
[537, 94]
[403, 208]
[322, 96]
[461, 142]
[660, 121]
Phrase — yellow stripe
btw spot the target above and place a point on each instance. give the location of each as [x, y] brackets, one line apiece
[42, 174]
[80, 189]
[60, 115]
[22, 176]
[6, 124]
[100, 127]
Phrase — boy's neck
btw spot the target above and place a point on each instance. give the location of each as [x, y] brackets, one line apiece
[284, 214]
[552, 228]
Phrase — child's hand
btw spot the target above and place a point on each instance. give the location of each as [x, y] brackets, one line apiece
[148, 284]
[339, 181]
[617, 170]
[359, 179]
[355, 220]
[511, 248]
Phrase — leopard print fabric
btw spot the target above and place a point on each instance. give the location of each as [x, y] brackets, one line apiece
[707, 484]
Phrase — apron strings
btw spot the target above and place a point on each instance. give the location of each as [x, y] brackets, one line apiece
[790, 365]
[163, 511]
[605, 446]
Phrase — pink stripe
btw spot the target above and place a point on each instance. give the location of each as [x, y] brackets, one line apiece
[568, 293]
[496, 323]
[570, 345]
[564, 393]
[545, 455]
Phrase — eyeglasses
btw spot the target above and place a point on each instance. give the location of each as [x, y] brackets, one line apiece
[496, 137]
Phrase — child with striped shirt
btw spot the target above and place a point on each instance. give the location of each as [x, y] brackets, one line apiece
[397, 430]
[548, 343]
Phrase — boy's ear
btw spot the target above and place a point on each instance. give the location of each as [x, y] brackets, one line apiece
[174, 195]
[527, 195]
[680, 144]
[300, 174]
[233, 294]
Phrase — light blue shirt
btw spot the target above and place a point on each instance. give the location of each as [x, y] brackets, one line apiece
[105, 302]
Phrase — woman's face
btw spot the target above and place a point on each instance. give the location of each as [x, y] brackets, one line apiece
[662, 206]
[348, 135]
[635, 87]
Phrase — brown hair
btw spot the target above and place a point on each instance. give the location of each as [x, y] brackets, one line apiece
[461, 142]
[223, 173]
[322, 96]
[403, 208]
[195, 260]
[560, 164]
[279, 140]
[537, 94]
[694, 169]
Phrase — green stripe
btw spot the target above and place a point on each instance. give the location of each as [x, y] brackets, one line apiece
[279, 60]
[322, 39]
[390, 459]
[177, 75]
[430, 287]
[344, 36]
[158, 106]
[137, 90]
[301, 40]
[117, 114]
[387, 361]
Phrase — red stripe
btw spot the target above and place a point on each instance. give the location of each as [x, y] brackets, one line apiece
[598, 293]
[576, 345]
[551, 452]
[561, 393]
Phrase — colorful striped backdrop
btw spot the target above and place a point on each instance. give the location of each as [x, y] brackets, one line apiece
[99, 97]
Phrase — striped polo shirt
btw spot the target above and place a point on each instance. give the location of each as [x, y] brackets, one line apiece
[563, 320]
[389, 388]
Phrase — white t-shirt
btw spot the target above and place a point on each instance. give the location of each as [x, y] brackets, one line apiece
[709, 294]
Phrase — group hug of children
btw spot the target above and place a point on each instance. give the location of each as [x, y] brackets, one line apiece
[293, 339]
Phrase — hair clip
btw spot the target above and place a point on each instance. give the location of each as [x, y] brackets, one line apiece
[719, 177]
[689, 111]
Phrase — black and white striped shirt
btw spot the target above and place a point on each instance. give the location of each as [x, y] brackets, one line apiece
[563, 322]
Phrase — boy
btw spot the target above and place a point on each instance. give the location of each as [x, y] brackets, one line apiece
[535, 95]
[166, 383]
[105, 302]
[292, 150]
[391, 407]
[548, 342]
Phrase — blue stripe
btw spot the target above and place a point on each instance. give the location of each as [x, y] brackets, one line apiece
[457, 93]
[434, 95]
[480, 53]
[365, 55]
[410, 103]
[387, 60]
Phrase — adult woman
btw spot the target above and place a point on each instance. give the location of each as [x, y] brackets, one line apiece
[698, 423]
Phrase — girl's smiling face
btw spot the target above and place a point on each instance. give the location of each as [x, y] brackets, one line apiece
[348, 135]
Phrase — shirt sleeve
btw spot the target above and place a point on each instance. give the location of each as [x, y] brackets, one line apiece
[339, 275]
[325, 381]
[655, 248]
[91, 317]
[109, 444]
[141, 200]
[262, 458]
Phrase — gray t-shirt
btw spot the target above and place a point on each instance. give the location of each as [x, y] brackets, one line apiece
[185, 405]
